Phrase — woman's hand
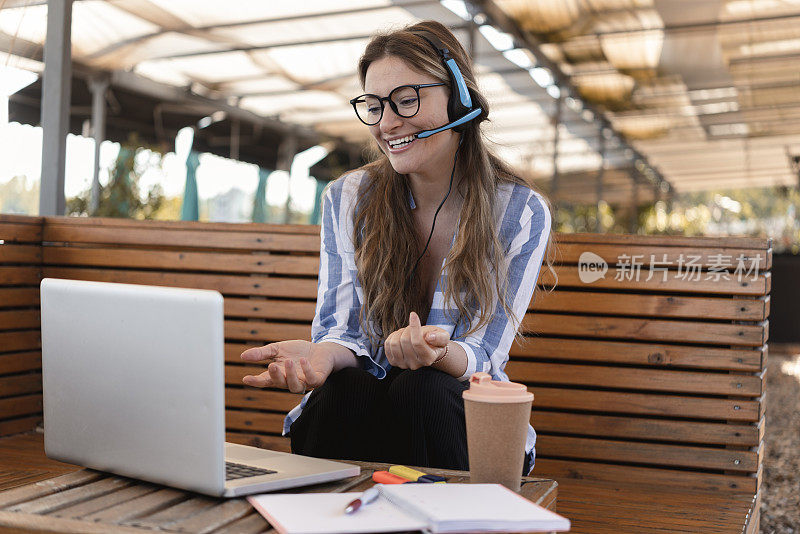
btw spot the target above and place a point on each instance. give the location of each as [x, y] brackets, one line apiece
[415, 346]
[294, 365]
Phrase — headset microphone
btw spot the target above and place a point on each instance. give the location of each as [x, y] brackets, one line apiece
[459, 112]
[475, 113]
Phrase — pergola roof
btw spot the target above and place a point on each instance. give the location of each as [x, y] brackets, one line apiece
[704, 92]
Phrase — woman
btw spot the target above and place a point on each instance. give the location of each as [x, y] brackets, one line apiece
[437, 231]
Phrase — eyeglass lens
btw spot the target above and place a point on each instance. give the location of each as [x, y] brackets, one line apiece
[404, 100]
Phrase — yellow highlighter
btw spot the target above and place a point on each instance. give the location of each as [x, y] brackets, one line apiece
[414, 475]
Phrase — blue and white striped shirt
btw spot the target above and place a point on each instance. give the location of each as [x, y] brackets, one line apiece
[524, 223]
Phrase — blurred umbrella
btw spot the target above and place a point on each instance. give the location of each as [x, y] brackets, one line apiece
[260, 200]
[317, 213]
[190, 210]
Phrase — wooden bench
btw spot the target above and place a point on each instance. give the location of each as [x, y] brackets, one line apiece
[649, 393]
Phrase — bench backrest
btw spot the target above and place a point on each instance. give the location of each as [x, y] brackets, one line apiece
[650, 377]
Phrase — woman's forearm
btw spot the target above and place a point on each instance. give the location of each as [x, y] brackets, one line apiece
[340, 355]
[455, 363]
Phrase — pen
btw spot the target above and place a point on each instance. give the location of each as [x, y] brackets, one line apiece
[366, 498]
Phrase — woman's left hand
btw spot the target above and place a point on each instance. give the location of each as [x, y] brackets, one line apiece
[415, 346]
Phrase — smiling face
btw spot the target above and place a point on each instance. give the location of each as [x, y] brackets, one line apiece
[430, 157]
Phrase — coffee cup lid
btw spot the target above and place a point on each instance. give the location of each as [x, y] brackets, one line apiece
[483, 389]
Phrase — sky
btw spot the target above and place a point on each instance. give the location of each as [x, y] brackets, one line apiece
[21, 150]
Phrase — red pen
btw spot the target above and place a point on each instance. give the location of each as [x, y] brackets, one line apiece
[366, 498]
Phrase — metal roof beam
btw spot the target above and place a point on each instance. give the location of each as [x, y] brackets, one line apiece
[297, 42]
[186, 28]
[499, 18]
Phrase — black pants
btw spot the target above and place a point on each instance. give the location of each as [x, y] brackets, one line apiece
[409, 417]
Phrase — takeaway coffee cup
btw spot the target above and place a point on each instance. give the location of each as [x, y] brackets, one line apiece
[497, 416]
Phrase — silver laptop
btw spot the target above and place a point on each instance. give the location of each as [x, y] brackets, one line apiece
[133, 381]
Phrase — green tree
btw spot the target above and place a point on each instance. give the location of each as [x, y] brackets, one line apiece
[122, 196]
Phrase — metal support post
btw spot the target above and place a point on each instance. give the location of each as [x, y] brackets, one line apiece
[55, 106]
[556, 123]
[98, 87]
[634, 203]
[286, 153]
[235, 138]
[600, 172]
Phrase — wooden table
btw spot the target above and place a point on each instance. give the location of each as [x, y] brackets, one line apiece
[91, 501]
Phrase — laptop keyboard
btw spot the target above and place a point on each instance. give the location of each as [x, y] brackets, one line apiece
[234, 471]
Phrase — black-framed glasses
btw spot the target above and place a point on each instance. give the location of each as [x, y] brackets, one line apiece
[404, 101]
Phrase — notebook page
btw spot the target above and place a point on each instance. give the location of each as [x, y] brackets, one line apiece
[458, 507]
[313, 513]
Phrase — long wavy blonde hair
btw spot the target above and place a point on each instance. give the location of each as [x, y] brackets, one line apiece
[386, 244]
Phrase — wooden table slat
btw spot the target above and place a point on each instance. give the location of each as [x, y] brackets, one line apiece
[92, 506]
[214, 518]
[94, 502]
[47, 487]
[251, 524]
[137, 507]
[164, 518]
[85, 492]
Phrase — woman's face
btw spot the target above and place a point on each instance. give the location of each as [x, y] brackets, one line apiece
[430, 156]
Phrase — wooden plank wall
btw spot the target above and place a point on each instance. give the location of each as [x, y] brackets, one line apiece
[20, 344]
[266, 273]
[658, 379]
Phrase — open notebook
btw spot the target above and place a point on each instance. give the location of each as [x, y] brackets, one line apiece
[404, 507]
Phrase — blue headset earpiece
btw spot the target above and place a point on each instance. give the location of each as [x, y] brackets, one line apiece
[460, 109]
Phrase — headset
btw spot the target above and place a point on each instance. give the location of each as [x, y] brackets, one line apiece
[459, 106]
[460, 110]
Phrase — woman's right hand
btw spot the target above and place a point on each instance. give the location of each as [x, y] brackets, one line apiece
[294, 365]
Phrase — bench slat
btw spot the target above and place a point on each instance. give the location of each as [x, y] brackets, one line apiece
[248, 420]
[24, 340]
[21, 233]
[203, 239]
[17, 362]
[646, 453]
[19, 296]
[658, 355]
[226, 284]
[636, 379]
[661, 256]
[259, 331]
[20, 406]
[647, 404]
[759, 243]
[261, 399]
[271, 442]
[216, 227]
[645, 329]
[568, 277]
[20, 384]
[20, 253]
[18, 426]
[617, 427]
[182, 261]
[19, 319]
[677, 306]
[658, 477]
[19, 276]
[288, 310]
